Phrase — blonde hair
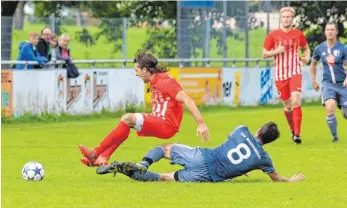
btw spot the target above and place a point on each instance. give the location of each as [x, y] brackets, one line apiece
[288, 9]
[33, 35]
[64, 36]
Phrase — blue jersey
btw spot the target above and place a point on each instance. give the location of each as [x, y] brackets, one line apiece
[333, 60]
[240, 154]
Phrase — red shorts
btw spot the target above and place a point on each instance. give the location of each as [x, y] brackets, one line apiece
[154, 126]
[286, 87]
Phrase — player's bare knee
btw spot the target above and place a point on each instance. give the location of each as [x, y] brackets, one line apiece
[129, 118]
[167, 177]
[167, 150]
[295, 100]
[330, 109]
[288, 104]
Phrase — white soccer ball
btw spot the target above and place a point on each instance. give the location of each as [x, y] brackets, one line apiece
[33, 171]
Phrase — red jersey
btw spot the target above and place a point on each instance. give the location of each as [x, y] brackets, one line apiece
[288, 63]
[164, 90]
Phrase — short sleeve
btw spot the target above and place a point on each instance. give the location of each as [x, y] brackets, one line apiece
[269, 42]
[345, 54]
[170, 87]
[303, 41]
[315, 55]
[267, 166]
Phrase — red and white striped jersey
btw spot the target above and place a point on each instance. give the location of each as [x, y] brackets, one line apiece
[164, 90]
[286, 64]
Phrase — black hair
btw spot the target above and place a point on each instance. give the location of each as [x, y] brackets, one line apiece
[269, 132]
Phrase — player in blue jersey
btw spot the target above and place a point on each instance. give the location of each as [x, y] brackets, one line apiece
[333, 55]
[240, 154]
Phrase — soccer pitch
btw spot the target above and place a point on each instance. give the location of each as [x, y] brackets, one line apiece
[68, 183]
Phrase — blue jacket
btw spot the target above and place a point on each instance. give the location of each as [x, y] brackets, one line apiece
[27, 53]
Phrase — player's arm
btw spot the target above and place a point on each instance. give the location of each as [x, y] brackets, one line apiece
[274, 52]
[190, 104]
[307, 54]
[269, 49]
[313, 69]
[278, 178]
[306, 48]
[345, 63]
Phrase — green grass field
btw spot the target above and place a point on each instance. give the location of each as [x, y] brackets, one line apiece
[68, 183]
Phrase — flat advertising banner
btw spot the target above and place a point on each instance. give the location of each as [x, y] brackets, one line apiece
[174, 72]
[79, 94]
[125, 88]
[203, 85]
[231, 86]
[6, 92]
[33, 91]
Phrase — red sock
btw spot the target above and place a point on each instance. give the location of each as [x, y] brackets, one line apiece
[297, 116]
[114, 139]
[289, 116]
[107, 153]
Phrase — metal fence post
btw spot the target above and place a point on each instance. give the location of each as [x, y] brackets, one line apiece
[207, 38]
[225, 48]
[246, 31]
[268, 9]
[52, 23]
[124, 45]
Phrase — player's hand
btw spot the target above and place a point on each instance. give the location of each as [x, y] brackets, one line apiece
[203, 132]
[280, 48]
[306, 60]
[296, 178]
[345, 83]
[316, 86]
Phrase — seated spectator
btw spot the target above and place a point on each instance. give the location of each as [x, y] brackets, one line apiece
[28, 52]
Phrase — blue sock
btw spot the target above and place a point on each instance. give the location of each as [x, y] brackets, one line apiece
[332, 123]
[153, 156]
[148, 176]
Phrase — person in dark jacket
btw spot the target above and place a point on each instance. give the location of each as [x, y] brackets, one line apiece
[29, 52]
[43, 46]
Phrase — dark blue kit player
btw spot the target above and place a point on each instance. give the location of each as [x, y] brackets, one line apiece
[333, 56]
[239, 154]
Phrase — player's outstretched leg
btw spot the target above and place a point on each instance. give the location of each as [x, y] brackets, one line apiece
[330, 106]
[112, 141]
[128, 169]
[289, 115]
[297, 116]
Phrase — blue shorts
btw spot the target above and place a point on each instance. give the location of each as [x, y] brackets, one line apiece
[195, 168]
[334, 91]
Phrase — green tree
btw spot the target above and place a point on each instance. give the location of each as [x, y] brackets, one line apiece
[315, 14]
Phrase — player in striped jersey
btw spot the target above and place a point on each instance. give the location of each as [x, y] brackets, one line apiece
[333, 55]
[284, 44]
[164, 121]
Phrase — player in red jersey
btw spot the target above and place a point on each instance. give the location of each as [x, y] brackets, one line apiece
[283, 44]
[164, 121]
